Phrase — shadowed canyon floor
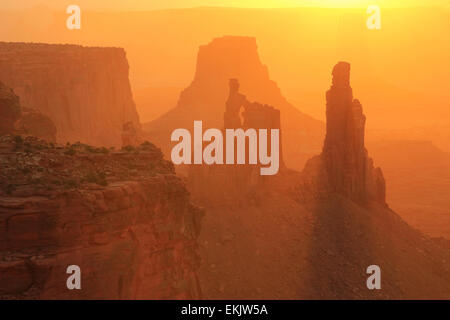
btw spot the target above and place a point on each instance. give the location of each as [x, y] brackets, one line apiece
[281, 249]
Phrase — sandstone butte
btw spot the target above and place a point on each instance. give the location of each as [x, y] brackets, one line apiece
[236, 57]
[85, 91]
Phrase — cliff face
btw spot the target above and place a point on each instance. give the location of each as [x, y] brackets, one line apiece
[123, 217]
[84, 91]
[344, 164]
[237, 57]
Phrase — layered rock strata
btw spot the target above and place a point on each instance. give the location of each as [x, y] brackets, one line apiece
[123, 217]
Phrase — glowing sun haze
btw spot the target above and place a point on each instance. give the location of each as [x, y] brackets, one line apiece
[163, 4]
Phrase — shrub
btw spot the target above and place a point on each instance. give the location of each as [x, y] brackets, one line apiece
[128, 148]
[98, 178]
[10, 188]
[70, 184]
[70, 152]
[18, 140]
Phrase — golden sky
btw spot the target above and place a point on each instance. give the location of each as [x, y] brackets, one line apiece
[162, 4]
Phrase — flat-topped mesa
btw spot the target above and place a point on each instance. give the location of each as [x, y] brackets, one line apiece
[226, 56]
[85, 91]
[348, 167]
[236, 57]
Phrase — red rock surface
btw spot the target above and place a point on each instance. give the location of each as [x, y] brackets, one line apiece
[85, 91]
[123, 217]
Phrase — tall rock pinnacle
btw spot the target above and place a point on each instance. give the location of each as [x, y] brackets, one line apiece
[347, 165]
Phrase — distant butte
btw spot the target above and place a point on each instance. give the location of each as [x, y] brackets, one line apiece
[234, 57]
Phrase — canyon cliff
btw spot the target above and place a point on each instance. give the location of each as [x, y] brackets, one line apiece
[123, 217]
[85, 91]
[235, 57]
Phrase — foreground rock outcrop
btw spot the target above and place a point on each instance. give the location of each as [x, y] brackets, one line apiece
[123, 217]
[85, 91]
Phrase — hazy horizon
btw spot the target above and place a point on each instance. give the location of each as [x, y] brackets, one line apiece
[143, 5]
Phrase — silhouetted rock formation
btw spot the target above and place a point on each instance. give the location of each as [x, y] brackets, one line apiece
[85, 91]
[15, 119]
[241, 113]
[123, 217]
[350, 170]
[235, 101]
[314, 242]
[237, 57]
[225, 183]
[344, 162]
